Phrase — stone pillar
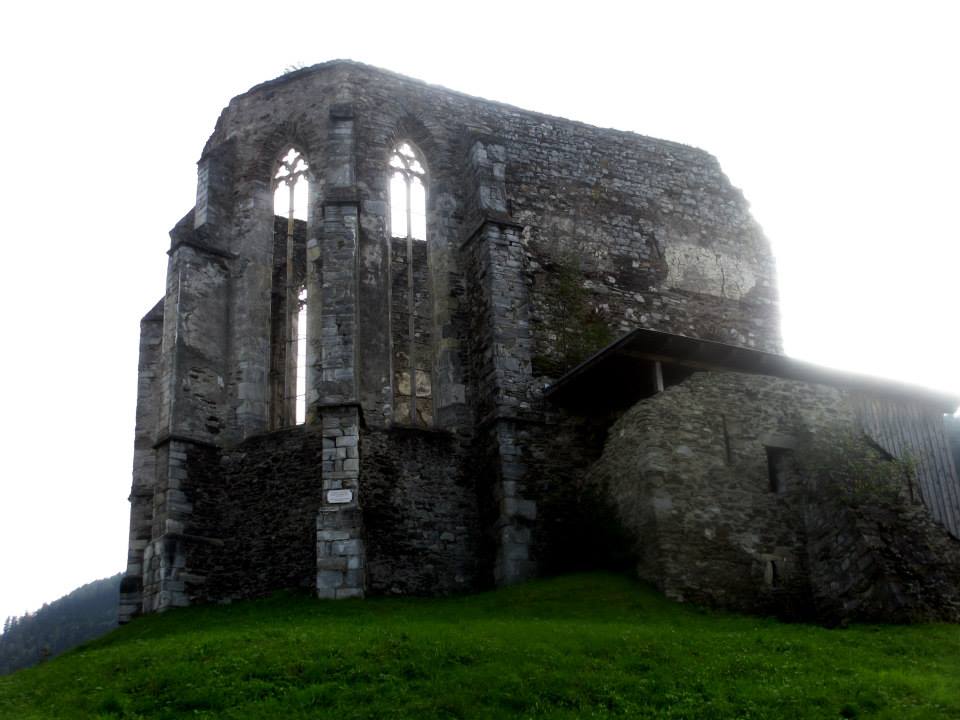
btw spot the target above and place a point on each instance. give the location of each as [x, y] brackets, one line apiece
[192, 407]
[251, 242]
[214, 203]
[335, 309]
[192, 366]
[506, 345]
[335, 375]
[443, 231]
[234, 217]
[144, 463]
[507, 315]
[517, 511]
[165, 558]
[340, 543]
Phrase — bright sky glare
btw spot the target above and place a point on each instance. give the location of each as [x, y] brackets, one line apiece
[839, 120]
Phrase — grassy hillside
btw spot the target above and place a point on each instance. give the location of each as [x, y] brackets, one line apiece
[584, 646]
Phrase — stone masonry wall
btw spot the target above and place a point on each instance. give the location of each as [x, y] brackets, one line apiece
[341, 547]
[686, 471]
[258, 502]
[688, 476]
[176, 562]
[551, 458]
[420, 514]
[878, 561]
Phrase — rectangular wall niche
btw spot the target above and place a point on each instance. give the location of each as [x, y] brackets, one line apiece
[779, 468]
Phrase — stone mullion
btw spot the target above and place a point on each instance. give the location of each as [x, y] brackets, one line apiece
[290, 308]
[411, 310]
[423, 336]
[313, 333]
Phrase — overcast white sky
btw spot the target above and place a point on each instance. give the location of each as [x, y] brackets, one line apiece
[839, 121]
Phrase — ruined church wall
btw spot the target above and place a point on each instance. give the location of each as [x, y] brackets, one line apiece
[653, 231]
[252, 528]
[623, 231]
[638, 231]
[419, 353]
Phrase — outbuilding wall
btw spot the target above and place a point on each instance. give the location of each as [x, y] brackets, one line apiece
[687, 474]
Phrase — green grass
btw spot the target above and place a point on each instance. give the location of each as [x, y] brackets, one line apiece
[582, 646]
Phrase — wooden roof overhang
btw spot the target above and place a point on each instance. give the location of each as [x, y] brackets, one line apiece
[642, 362]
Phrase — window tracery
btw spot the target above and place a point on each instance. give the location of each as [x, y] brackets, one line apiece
[408, 196]
[289, 314]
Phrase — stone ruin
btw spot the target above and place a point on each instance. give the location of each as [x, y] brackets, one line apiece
[416, 342]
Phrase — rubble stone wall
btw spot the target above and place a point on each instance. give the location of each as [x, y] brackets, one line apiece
[420, 514]
[881, 562]
[256, 504]
[688, 475]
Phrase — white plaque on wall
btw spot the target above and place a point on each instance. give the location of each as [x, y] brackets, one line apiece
[339, 496]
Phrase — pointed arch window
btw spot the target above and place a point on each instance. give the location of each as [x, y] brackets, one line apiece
[290, 186]
[408, 195]
[289, 297]
[411, 301]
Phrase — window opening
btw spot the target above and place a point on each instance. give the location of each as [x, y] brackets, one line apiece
[290, 193]
[408, 196]
[412, 340]
[771, 574]
[779, 462]
[290, 200]
[301, 351]
[727, 449]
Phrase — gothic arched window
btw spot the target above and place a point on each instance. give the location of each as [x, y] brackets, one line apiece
[408, 195]
[411, 301]
[289, 298]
